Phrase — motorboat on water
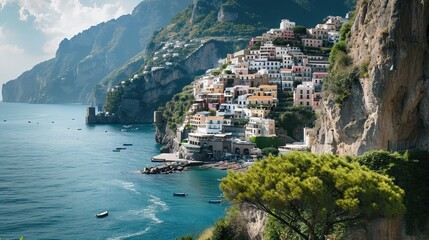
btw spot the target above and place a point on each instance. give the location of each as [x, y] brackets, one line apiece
[102, 214]
[180, 194]
[216, 201]
[127, 144]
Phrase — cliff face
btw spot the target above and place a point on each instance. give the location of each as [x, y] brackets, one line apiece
[388, 109]
[81, 62]
[150, 91]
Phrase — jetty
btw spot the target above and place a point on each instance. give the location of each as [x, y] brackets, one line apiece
[166, 168]
[172, 157]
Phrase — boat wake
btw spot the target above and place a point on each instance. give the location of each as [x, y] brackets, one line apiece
[156, 206]
[126, 185]
[130, 186]
[130, 235]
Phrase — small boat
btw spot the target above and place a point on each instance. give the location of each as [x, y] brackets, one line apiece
[102, 214]
[180, 194]
[120, 148]
[219, 179]
[116, 150]
[215, 201]
[79, 129]
[127, 144]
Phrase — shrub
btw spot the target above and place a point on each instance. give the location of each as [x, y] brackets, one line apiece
[268, 142]
[187, 237]
[270, 150]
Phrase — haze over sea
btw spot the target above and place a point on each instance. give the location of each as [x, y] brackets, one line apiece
[54, 178]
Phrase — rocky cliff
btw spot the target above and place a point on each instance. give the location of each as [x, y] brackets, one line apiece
[138, 98]
[389, 106]
[84, 60]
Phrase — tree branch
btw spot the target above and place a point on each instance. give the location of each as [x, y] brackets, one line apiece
[264, 208]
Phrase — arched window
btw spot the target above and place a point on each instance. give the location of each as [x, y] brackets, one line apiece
[237, 151]
[246, 151]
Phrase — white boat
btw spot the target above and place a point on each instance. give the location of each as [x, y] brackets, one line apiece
[102, 214]
[180, 194]
[215, 201]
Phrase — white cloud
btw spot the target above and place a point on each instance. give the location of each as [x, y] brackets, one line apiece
[8, 49]
[23, 14]
[65, 18]
[3, 3]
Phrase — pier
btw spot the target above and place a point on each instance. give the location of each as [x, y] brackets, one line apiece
[172, 157]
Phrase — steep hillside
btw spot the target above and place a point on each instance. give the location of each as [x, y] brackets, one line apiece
[82, 61]
[242, 18]
[388, 106]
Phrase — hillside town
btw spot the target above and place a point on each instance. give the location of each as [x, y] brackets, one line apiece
[230, 116]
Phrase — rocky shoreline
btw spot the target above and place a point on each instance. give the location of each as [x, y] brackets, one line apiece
[176, 167]
[167, 168]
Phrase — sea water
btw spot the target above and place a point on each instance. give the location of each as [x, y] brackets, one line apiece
[56, 173]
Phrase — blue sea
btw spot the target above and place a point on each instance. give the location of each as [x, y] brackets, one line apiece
[56, 173]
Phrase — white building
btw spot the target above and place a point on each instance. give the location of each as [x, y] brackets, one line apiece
[286, 24]
[260, 127]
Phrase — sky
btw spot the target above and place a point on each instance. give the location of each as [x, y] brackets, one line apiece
[31, 30]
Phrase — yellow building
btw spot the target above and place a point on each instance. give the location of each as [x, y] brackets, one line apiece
[260, 112]
[261, 100]
[197, 120]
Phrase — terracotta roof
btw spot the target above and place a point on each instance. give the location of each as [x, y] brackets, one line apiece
[215, 118]
[267, 86]
[260, 97]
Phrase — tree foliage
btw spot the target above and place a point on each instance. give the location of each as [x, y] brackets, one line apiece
[410, 171]
[270, 150]
[175, 110]
[294, 119]
[300, 30]
[311, 194]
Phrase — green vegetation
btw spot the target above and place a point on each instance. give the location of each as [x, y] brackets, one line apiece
[175, 110]
[294, 119]
[230, 227]
[267, 142]
[410, 171]
[300, 30]
[113, 100]
[312, 194]
[281, 42]
[187, 237]
[270, 150]
[342, 73]
[205, 25]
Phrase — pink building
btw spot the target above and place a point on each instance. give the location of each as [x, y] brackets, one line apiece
[310, 42]
[318, 78]
[318, 33]
[268, 51]
[306, 96]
